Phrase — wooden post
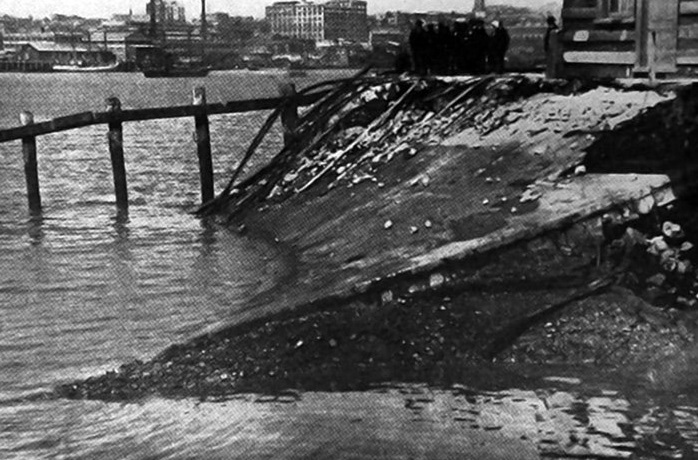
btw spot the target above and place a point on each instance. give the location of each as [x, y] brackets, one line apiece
[653, 57]
[116, 152]
[289, 115]
[30, 165]
[203, 145]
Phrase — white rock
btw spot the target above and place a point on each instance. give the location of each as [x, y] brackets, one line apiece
[580, 170]
[657, 246]
[428, 224]
[683, 267]
[529, 195]
[414, 229]
[672, 230]
[388, 224]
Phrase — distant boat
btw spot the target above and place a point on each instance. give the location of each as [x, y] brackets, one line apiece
[86, 68]
[176, 72]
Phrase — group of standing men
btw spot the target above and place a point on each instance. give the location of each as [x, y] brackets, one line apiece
[465, 48]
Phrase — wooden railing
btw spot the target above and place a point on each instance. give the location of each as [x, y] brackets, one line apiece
[114, 117]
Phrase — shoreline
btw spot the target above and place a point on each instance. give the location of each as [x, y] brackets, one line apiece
[431, 315]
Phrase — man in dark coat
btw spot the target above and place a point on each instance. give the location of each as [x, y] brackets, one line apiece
[479, 45]
[418, 45]
[445, 45]
[552, 27]
[460, 47]
[431, 49]
[499, 45]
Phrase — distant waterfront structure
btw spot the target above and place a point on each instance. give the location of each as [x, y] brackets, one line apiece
[61, 53]
[333, 20]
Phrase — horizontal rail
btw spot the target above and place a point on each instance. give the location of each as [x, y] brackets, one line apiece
[83, 119]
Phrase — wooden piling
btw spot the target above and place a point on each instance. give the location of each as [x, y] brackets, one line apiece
[289, 114]
[116, 152]
[203, 144]
[30, 165]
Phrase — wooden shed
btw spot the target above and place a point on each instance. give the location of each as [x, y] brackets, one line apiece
[627, 38]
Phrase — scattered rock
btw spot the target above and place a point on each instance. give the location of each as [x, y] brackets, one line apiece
[657, 246]
[529, 195]
[672, 230]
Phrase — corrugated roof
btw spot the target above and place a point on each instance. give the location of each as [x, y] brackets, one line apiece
[59, 47]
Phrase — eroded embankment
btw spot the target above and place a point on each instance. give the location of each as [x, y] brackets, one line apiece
[456, 229]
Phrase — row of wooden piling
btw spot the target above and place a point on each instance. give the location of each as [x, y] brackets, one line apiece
[114, 118]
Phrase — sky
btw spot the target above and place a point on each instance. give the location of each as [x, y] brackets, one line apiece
[105, 8]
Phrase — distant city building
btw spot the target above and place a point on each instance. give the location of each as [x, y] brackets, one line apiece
[334, 20]
[479, 9]
[346, 19]
[167, 12]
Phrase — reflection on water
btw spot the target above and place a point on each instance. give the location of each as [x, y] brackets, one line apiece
[396, 421]
[35, 230]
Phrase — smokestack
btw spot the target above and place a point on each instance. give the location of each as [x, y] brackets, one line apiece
[479, 8]
[203, 20]
[153, 23]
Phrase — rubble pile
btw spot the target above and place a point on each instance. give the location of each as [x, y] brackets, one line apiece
[370, 123]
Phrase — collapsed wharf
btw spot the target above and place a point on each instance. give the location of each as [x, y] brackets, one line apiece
[433, 225]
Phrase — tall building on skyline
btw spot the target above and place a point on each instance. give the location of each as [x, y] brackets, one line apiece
[334, 20]
[167, 12]
[479, 8]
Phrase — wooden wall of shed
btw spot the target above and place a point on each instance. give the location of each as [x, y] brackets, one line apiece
[596, 46]
[687, 45]
[593, 45]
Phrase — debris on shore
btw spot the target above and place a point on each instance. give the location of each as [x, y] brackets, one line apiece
[367, 124]
[393, 177]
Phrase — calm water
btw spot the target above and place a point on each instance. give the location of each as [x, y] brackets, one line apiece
[82, 290]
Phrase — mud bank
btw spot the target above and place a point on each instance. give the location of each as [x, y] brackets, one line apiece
[486, 220]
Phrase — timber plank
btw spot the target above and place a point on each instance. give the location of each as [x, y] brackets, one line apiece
[83, 119]
[598, 36]
[687, 60]
[580, 4]
[689, 31]
[579, 13]
[600, 57]
[688, 7]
